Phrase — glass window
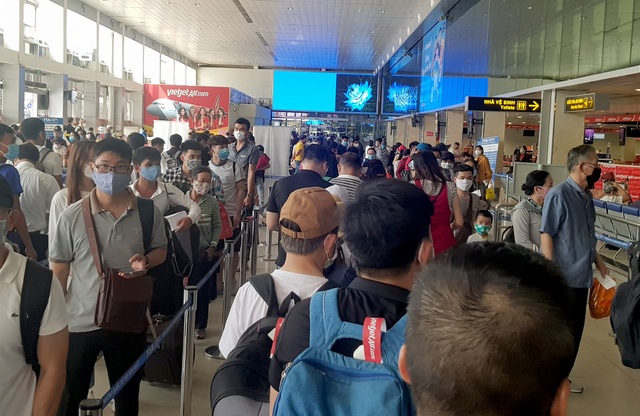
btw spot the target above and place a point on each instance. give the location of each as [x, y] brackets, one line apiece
[167, 68]
[81, 40]
[181, 73]
[151, 66]
[105, 107]
[133, 60]
[117, 55]
[50, 36]
[9, 25]
[191, 76]
[105, 39]
[30, 13]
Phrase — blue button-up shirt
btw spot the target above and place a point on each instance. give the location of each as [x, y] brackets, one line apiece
[569, 218]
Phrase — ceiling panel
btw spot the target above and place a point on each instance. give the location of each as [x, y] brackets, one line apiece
[331, 34]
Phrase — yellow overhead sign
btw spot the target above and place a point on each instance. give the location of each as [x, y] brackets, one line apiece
[516, 105]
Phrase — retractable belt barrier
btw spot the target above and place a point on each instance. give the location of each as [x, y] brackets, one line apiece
[94, 407]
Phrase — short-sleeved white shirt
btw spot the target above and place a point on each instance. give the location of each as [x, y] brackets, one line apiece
[18, 381]
[248, 307]
[229, 179]
[52, 162]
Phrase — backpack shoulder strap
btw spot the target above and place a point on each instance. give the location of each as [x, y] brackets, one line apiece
[263, 284]
[326, 324]
[145, 210]
[34, 299]
[44, 153]
[392, 341]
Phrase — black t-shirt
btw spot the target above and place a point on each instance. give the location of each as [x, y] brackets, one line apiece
[363, 298]
[284, 187]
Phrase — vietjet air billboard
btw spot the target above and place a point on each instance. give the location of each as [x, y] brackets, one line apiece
[204, 108]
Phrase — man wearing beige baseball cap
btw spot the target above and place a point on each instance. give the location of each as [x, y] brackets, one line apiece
[309, 222]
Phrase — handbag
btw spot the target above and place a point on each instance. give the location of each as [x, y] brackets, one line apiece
[227, 230]
[122, 302]
[600, 300]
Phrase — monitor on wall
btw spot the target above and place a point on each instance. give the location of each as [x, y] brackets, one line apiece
[589, 135]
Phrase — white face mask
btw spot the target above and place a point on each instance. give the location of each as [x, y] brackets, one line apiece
[239, 135]
[464, 184]
[446, 165]
[478, 152]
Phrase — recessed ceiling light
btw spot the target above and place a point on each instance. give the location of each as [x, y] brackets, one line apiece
[197, 4]
[289, 8]
[295, 29]
[373, 31]
[381, 11]
[219, 26]
[530, 7]
[359, 10]
[638, 89]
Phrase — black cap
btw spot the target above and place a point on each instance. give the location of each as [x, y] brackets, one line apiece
[57, 128]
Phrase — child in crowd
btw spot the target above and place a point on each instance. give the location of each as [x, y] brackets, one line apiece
[483, 224]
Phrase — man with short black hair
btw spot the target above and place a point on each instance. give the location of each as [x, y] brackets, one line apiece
[165, 161]
[69, 127]
[568, 233]
[309, 221]
[313, 169]
[33, 131]
[519, 327]
[175, 140]
[246, 155]
[384, 281]
[117, 222]
[136, 141]
[39, 190]
[350, 171]
[9, 151]
[33, 328]
[181, 176]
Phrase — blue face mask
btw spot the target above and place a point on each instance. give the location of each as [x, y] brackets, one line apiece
[111, 183]
[483, 229]
[13, 151]
[150, 173]
[371, 157]
[223, 154]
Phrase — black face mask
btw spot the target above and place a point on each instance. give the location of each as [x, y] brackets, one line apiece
[594, 177]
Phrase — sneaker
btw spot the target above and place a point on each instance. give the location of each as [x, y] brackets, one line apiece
[201, 333]
[576, 388]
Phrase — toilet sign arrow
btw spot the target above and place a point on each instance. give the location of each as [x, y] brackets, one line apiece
[510, 105]
[534, 106]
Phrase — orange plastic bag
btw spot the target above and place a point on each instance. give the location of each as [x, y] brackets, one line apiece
[600, 300]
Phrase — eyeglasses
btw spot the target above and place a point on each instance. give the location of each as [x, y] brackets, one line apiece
[593, 165]
[116, 169]
[4, 213]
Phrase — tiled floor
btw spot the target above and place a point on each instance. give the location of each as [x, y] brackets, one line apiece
[610, 388]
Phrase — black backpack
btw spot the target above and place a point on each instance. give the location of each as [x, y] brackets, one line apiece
[34, 299]
[241, 384]
[625, 314]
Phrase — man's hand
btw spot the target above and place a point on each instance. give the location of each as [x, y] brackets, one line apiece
[603, 269]
[248, 201]
[138, 262]
[237, 219]
[184, 224]
[31, 253]
[211, 253]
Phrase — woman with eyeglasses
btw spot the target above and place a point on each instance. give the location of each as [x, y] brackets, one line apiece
[428, 176]
[79, 181]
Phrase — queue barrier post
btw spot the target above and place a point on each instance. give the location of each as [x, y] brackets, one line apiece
[244, 254]
[254, 241]
[90, 407]
[229, 281]
[188, 341]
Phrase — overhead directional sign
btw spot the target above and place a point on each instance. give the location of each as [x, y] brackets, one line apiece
[511, 105]
[586, 102]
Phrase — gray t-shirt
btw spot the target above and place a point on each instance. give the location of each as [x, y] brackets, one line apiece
[118, 240]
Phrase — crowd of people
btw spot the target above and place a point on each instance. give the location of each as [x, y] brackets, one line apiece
[383, 253]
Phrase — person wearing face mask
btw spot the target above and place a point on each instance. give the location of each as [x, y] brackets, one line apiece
[147, 165]
[527, 215]
[60, 147]
[309, 223]
[181, 176]
[368, 161]
[9, 151]
[447, 163]
[210, 227]
[383, 284]
[482, 227]
[344, 145]
[382, 153]
[468, 203]
[23, 392]
[485, 174]
[568, 233]
[233, 184]
[245, 153]
[117, 216]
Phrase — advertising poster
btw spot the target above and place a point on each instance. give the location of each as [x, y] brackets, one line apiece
[204, 108]
[432, 68]
[356, 93]
[626, 175]
[50, 123]
[490, 146]
[400, 95]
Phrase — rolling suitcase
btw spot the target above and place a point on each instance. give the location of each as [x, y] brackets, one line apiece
[165, 364]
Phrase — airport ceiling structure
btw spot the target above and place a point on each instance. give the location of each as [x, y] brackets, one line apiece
[304, 34]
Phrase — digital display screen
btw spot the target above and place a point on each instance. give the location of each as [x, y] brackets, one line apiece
[401, 95]
[432, 70]
[589, 136]
[356, 93]
[304, 91]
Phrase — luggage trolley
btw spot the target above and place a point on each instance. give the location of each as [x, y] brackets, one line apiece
[502, 220]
